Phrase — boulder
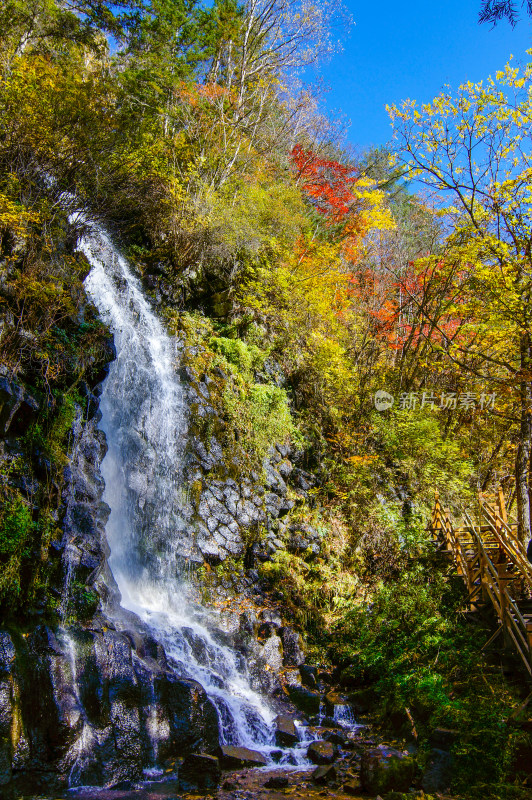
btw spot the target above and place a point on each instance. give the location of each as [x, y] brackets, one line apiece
[336, 737]
[192, 718]
[307, 701]
[199, 774]
[443, 738]
[293, 655]
[438, 772]
[329, 722]
[324, 774]
[277, 782]
[286, 732]
[321, 752]
[272, 653]
[384, 769]
[333, 699]
[238, 757]
[18, 409]
[271, 617]
[309, 676]
[291, 677]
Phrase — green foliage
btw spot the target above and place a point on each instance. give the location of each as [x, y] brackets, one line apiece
[257, 414]
[246, 357]
[413, 649]
[422, 456]
[261, 415]
[60, 431]
[16, 527]
[178, 138]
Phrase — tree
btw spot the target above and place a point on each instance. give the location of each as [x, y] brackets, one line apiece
[475, 148]
[496, 10]
[45, 24]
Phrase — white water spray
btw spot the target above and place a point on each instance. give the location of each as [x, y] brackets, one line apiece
[144, 419]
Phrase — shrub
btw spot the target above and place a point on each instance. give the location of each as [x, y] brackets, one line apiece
[245, 357]
[16, 526]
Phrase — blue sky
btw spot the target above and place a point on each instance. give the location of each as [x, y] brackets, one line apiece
[411, 49]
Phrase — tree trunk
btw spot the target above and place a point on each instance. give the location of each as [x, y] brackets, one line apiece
[522, 461]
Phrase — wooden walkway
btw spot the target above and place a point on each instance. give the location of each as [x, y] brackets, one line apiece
[494, 567]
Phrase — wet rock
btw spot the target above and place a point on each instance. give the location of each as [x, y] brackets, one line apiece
[329, 722]
[49, 703]
[293, 655]
[291, 677]
[272, 653]
[321, 752]
[438, 773]
[286, 731]
[192, 718]
[199, 774]
[18, 408]
[273, 504]
[309, 676]
[301, 546]
[238, 757]
[384, 769]
[443, 738]
[7, 654]
[336, 737]
[284, 468]
[333, 699]
[277, 782]
[307, 701]
[302, 480]
[324, 774]
[7, 658]
[274, 481]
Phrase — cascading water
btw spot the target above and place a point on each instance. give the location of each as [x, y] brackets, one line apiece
[144, 418]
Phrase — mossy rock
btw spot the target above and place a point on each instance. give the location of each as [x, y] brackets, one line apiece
[384, 769]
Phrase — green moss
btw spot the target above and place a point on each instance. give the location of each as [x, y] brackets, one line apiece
[259, 414]
[83, 601]
[245, 357]
[16, 527]
[60, 431]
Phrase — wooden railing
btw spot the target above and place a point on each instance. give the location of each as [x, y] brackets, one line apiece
[492, 562]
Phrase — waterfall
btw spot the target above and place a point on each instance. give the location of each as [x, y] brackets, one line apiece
[149, 532]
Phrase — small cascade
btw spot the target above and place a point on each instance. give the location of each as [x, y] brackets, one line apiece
[344, 716]
[83, 747]
[149, 530]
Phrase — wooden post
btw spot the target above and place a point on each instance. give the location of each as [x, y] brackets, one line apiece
[436, 514]
[448, 530]
[483, 564]
[502, 505]
[529, 633]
